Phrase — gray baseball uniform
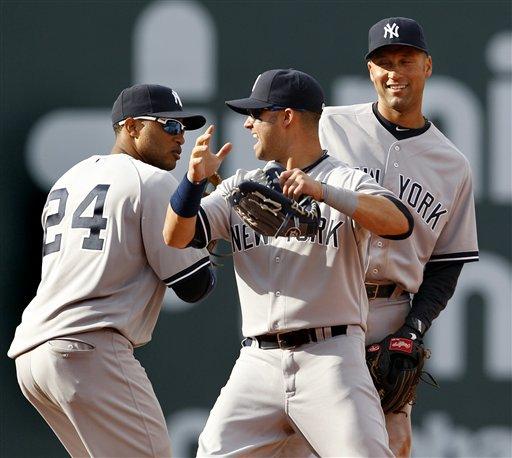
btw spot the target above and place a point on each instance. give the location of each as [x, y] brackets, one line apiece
[104, 273]
[321, 390]
[431, 177]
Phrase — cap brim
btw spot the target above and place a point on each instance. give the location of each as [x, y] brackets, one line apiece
[189, 120]
[242, 105]
[394, 44]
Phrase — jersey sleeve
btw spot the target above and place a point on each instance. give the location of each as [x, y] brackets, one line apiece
[458, 239]
[365, 184]
[328, 130]
[170, 264]
[215, 212]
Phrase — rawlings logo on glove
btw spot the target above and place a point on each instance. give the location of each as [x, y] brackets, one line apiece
[401, 344]
[396, 366]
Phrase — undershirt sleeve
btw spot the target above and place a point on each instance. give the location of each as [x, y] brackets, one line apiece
[438, 286]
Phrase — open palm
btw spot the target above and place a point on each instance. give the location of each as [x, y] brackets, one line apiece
[203, 163]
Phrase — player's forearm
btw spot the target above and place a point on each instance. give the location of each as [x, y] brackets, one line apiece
[178, 231]
[438, 286]
[381, 216]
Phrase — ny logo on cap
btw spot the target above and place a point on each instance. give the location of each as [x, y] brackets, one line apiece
[393, 30]
[177, 98]
[254, 85]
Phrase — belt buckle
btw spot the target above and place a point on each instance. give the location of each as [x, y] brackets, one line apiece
[282, 343]
[375, 291]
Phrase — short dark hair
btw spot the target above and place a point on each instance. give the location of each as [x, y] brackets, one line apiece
[117, 129]
[311, 118]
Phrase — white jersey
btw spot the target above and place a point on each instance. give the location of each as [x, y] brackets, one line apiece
[288, 283]
[429, 175]
[105, 264]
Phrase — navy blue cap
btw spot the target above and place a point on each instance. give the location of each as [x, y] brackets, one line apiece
[153, 100]
[396, 31]
[287, 88]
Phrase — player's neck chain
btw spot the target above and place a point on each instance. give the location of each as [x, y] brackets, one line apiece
[314, 164]
[399, 132]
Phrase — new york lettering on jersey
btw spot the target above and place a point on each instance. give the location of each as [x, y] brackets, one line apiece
[244, 238]
[413, 193]
[440, 201]
[394, 141]
[295, 294]
[338, 241]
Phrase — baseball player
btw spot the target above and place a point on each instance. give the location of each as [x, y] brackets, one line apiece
[406, 153]
[301, 369]
[104, 272]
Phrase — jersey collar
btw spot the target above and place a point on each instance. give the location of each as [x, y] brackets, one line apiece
[399, 132]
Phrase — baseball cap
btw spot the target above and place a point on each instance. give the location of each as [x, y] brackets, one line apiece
[396, 31]
[287, 88]
[153, 100]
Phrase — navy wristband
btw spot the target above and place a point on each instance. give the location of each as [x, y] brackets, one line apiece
[186, 200]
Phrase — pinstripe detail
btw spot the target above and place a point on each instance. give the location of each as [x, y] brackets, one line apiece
[466, 256]
[187, 272]
[205, 225]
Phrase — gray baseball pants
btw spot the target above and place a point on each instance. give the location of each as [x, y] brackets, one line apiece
[321, 391]
[95, 396]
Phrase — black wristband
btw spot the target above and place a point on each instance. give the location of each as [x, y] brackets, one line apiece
[416, 324]
[186, 200]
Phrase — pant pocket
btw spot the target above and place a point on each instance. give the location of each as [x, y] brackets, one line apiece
[70, 345]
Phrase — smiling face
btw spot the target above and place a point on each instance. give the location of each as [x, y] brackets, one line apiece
[399, 74]
[156, 147]
[266, 130]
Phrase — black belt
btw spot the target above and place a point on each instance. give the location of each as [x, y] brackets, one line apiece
[294, 339]
[374, 291]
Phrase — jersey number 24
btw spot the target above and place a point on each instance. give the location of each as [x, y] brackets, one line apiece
[94, 223]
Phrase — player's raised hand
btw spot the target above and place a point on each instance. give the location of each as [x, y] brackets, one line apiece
[295, 183]
[203, 163]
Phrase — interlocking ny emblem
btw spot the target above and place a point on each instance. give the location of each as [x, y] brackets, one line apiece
[393, 30]
[177, 98]
[254, 85]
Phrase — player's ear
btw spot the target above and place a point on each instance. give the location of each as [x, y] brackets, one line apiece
[289, 115]
[428, 66]
[369, 66]
[131, 127]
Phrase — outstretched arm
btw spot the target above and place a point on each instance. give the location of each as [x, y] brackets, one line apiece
[386, 217]
[180, 221]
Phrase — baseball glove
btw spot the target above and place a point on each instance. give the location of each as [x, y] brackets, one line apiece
[396, 366]
[261, 204]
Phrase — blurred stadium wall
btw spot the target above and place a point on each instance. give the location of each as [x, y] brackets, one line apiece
[63, 64]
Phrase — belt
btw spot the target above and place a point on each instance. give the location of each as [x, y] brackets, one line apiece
[374, 291]
[294, 339]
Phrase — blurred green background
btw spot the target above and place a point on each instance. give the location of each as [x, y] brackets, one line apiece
[64, 62]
